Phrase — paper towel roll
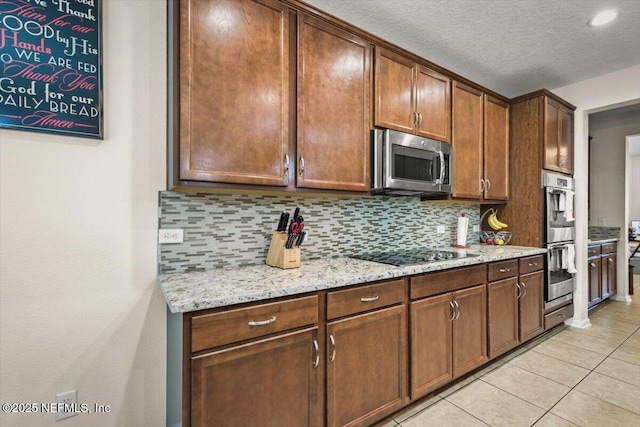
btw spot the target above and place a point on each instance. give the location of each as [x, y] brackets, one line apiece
[463, 224]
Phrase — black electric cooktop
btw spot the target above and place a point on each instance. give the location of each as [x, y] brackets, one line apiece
[411, 256]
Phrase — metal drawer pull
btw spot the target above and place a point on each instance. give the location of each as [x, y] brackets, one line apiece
[505, 270]
[316, 349]
[488, 185]
[453, 311]
[524, 288]
[333, 348]
[610, 259]
[533, 264]
[457, 310]
[519, 291]
[262, 322]
[592, 264]
[369, 299]
[286, 162]
[562, 316]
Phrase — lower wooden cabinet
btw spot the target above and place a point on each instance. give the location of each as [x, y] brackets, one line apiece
[609, 279]
[366, 367]
[448, 338]
[515, 311]
[595, 277]
[602, 264]
[272, 382]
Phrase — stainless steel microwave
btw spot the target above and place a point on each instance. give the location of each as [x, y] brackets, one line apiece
[410, 165]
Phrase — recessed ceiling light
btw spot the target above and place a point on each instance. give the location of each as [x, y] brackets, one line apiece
[602, 18]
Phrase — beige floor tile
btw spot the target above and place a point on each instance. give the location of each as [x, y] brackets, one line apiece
[443, 414]
[600, 331]
[494, 406]
[634, 340]
[628, 353]
[386, 423]
[550, 420]
[457, 386]
[414, 409]
[551, 368]
[587, 411]
[528, 386]
[611, 390]
[613, 324]
[624, 371]
[570, 353]
[599, 345]
[625, 316]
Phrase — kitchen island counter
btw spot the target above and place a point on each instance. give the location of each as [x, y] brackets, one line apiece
[186, 292]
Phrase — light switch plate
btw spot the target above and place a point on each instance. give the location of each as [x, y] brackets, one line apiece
[440, 229]
[168, 235]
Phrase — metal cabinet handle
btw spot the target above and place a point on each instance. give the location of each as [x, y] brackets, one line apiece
[533, 264]
[286, 162]
[332, 341]
[519, 291]
[419, 119]
[452, 307]
[505, 270]
[482, 184]
[488, 185]
[262, 322]
[592, 264]
[415, 119]
[301, 165]
[562, 316]
[457, 310]
[370, 299]
[563, 159]
[316, 350]
[524, 288]
[610, 260]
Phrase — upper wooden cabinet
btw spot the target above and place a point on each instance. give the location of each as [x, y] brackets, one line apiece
[558, 137]
[410, 97]
[480, 145]
[333, 132]
[496, 149]
[234, 91]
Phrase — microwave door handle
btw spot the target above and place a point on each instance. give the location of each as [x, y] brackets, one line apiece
[441, 179]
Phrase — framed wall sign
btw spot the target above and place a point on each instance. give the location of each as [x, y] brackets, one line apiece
[50, 66]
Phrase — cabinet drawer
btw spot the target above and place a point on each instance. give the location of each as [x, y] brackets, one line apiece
[502, 270]
[531, 263]
[609, 248]
[556, 317]
[446, 281]
[216, 329]
[593, 250]
[364, 298]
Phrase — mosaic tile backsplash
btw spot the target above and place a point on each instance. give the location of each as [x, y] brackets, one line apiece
[603, 233]
[226, 231]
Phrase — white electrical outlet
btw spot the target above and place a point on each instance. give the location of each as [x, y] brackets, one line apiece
[169, 235]
[476, 228]
[67, 404]
[602, 221]
[440, 229]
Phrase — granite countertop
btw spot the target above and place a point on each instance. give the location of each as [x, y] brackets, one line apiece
[185, 292]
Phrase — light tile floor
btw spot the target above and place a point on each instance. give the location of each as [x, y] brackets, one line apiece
[568, 377]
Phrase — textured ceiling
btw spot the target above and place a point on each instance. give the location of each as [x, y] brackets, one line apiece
[509, 46]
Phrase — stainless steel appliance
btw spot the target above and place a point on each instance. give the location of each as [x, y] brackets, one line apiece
[411, 256]
[560, 232]
[409, 165]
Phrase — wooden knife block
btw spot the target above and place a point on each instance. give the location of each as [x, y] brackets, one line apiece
[281, 257]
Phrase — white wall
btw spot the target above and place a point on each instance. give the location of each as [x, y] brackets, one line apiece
[79, 303]
[607, 171]
[597, 94]
[634, 188]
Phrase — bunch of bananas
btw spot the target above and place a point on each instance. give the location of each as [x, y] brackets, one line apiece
[494, 223]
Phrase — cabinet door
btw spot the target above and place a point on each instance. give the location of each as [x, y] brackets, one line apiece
[467, 141]
[366, 367]
[234, 91]
[608, 283]
[531, 305]
[334, 112]
[433, 104]
[595, 276]
[551, 133]
[503, 316]
[470, 330]
[431, 344]
[272, 381]
[565, 140]
[496, 149]
[394, 91]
